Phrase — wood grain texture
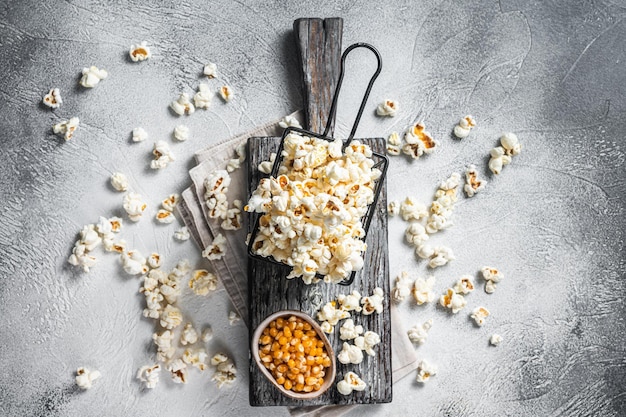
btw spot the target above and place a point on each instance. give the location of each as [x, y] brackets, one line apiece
[270, 291]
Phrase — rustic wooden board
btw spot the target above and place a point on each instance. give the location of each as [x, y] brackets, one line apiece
[270, 291]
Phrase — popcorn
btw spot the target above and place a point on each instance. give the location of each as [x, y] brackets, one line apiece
[418, 142]
[66, 128]
[225, 374]
[226, 93]
[402, 288]
[462, 130]
[207, 334]
[452, 300]
[139, 52]
[188, 336]
[233, 318]
[367, 342]
[162, 155]
[178, 369]
[163, 342]
[472, 183]
[350, 302]
[415, 234]
[464, 285]
[394, 144]
[349, 331]
[92, 76]
[182, 105]
[53, 99]
[495, 339]
[479, 314]
[387, 108]
[501, 155]
[411, 209]
[85, 377]
[133, 262]
[154, 260]
[423, 290]
[210, 70]
[182, 234]
[510, 143]
[350, 354]
[330, 316]
[196, 358]
[289, 121]
[266, 166]
[393, 208]
[218, 358]
[350, 382]
[217, 249]
[170, 202]
[149, 375]
[203, 282]
[419, 333]
[171, 317]
[438, 256]
[216, 186]
[443, 205]
[165, 216]
[119, 181]
[139, 134]
[181, 133]
[134, 206]
[202, 99]
[425, 370]
[232, 219]
[374, 302]
[491, 276]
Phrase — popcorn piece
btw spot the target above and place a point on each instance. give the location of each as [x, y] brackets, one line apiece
[92, 76]
[411, 209]
[479, 314]
[53, 99]
[196, 358]
[495, 339]
[402, 288]
[232, 219]
[425, 370]
[464, 285]
[452, 300]
[374, 302]
[154, 260]
[225, 374]
[133, 262]
[350, 382]
[85, 377]
[491, 276]
[119, 181]
[134, 206]
[510, 143]
[188, 336]
[418, 142]
[419, 333]
[416, 234]
[218, 358]
[350, 354]
[202, 99]
[394, 144]
[203, 282]
[289, 121]
[162, 155]
[331, 315]
[178, 369]
[163, 342]
[171, 317]
[210, 70]
[182, 105]
[423, 290]
[233, 318]
[226, 93]
[462, 130]
[349, 331]
[387, 108]
[181, 133]
[443, 205]
[207, 334]
[149, 375]
[350, 302]
[472, 183]
[367, 342]
[182, 234]
[165, 216]
[139, 134]
[393, 208]
[498, 160]
[217, 249]
[266, 166]
[66, 128]
[170, 202]
[438, 256]
[139, 52]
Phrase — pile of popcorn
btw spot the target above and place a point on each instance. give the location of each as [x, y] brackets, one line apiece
[312, 211]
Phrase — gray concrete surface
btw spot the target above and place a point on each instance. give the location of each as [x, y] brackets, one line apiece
[553, 72]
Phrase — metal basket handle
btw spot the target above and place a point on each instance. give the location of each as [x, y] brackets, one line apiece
[333, 107]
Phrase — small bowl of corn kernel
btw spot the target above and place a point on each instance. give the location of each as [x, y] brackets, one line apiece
[293, 352]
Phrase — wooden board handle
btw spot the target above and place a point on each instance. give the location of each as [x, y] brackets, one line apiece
[319, 47]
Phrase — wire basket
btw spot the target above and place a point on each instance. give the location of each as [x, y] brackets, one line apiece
[380, 160]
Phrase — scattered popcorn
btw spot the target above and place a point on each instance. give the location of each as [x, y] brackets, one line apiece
[452, 300]
[80, 257]
[266, 166]
[202, 282]
[139, 52]
[510, 143]
[178, 369]
[66, 128]
[289, 121]
[218, 358]
[163, 342]
[181, 133]
[350, 354]
[202, 99]
[462, 130]
[423, 290]
[350, 382]
[119, 181]
[350, 302]
[139, 134]
[165, 216]
[415, 234]
[367, 342]
[182, 234]
[134, 206]
[438, 256]
[479, 314]
[374, 302]
[394, 144]
[226, 93]
[233, 318]
[490, 287]
[162, 155]
[402, 288]
[387, 108]
[464, 285]
[85, 377]
[133, 262]
[410, 209]
[495, 339]
[232, 219]
[92, 76]
[217, 249]
[188, 336]
[53, 99]
[182, 105]
[154, 260]
[149, 375]
[329, 316]
[349, 331]
[425, 370]
[472, 183]
[170, 202]
[171, 317]
[442, 206]
[393, 208]
[491, 276]
[210, 70]
[216, 187]
[501, 155]
[207, 334]
[418, 142]
[419, 333]
[196, 358]
[226, 372]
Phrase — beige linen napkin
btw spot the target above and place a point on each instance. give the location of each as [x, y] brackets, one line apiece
[231, 269]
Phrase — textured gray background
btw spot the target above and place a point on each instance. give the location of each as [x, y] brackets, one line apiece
[552, 71]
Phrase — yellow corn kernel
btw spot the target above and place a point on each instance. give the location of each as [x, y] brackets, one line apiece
[310, 381]
[288, 385]
[281, 380]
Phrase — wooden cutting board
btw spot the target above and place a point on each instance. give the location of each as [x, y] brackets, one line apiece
[319, 42]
